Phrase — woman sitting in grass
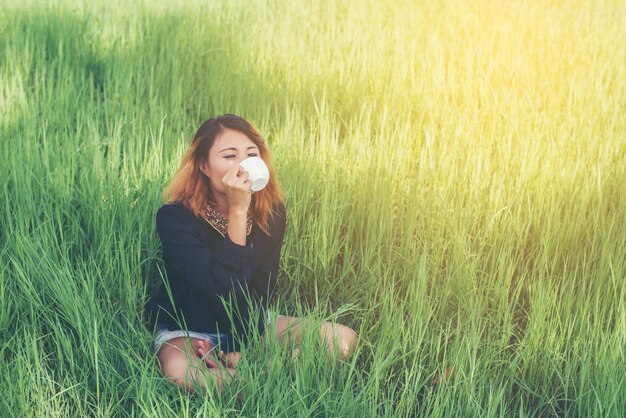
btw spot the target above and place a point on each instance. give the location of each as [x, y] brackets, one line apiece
[221, 241]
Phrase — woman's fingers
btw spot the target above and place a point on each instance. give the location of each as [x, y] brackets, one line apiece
[210, 361]
[233, 174]
[200, 348]
[205, 345]
[205, 352]
[238, 187]
[237, 177]
[213, 358]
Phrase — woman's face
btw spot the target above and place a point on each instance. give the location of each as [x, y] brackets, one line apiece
[230, 145]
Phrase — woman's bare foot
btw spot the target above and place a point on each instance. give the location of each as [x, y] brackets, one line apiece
[230, 360]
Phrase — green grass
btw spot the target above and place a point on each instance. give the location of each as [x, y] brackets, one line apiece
[455, 181]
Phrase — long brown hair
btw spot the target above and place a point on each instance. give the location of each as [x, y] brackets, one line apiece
[192, 188]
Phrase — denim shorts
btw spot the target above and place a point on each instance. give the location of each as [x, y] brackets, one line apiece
[163, 334]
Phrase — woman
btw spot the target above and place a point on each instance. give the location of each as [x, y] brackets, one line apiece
[221, 242]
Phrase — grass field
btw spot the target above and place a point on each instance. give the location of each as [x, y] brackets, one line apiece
[455, 179]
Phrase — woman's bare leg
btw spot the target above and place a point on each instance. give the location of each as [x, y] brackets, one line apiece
[337, 336]
[181, 365]
[332, 335]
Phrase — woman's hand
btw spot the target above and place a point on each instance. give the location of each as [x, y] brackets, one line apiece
[237, 188]
[231, 359]
[206, 352]
[214, 358]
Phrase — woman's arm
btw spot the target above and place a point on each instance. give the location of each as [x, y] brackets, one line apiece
[237, 224]
[237, 188]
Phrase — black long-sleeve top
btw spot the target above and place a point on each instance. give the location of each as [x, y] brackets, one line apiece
[203, 266]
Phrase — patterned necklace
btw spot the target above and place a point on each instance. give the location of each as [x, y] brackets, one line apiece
[220, 223]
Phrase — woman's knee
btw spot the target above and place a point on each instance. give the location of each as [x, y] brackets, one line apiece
[340, 335]
[176, 357]
[349, 340]
[288, 328]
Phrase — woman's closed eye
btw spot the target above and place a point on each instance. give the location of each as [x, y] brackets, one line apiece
[233, 156]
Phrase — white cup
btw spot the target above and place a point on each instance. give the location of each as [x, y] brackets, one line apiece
[258, 173]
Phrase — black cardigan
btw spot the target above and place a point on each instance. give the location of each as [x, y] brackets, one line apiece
[202, 267]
